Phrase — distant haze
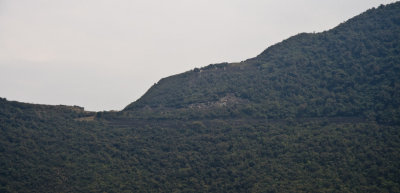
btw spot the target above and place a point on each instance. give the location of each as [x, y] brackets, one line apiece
[103, 55]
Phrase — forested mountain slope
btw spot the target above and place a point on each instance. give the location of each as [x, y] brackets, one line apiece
[351, 70]
[314, 113]
[51, 149]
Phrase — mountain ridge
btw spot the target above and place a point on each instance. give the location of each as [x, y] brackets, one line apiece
[300, 73]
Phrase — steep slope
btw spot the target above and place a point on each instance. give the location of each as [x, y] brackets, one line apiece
[351, 70]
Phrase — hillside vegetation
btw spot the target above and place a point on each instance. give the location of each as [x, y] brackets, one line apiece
[314, 113]
[351, 70]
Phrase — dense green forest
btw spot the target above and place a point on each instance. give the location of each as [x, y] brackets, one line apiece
[315, 113]
[351, 70]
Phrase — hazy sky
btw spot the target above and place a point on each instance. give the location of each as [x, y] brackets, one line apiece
[105, 54]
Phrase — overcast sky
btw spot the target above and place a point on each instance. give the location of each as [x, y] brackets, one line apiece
[105, 54]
